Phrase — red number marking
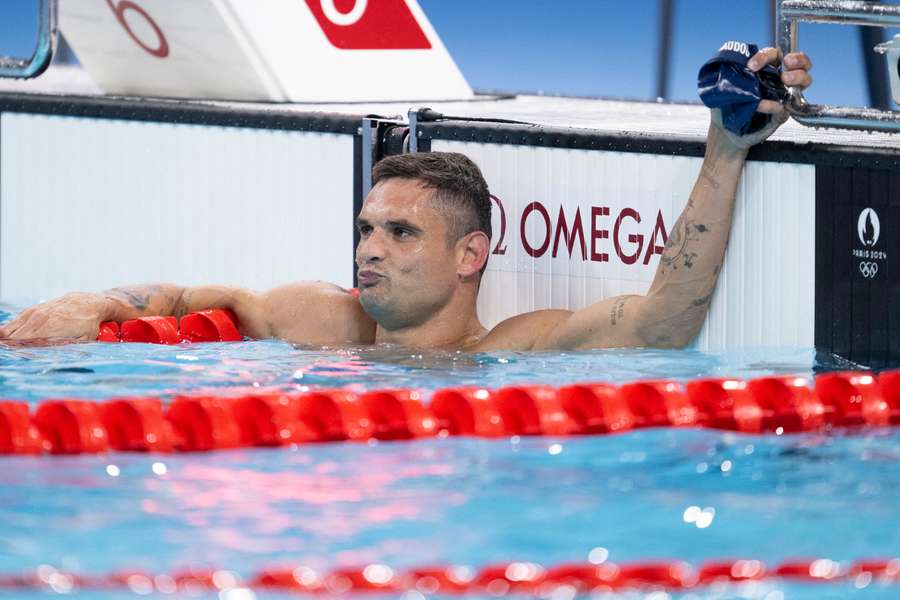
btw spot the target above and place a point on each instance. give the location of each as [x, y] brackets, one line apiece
[500, 248]
[162, 48]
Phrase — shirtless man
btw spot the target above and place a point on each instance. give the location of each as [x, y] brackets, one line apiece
[424, 241]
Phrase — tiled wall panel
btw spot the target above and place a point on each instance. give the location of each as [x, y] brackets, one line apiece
[87, 204]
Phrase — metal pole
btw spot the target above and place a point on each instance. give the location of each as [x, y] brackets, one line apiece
[876, 73]
[773, 21]
[789, 13]
[665, 48]
[842, 12]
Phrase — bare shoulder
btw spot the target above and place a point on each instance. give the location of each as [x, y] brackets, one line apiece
[522, 332]
[317, 312]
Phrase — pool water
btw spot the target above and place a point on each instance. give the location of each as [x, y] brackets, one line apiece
[97, 371]
[441, 501]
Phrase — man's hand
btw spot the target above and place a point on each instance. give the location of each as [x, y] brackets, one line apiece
[796, 74]
[75, 316]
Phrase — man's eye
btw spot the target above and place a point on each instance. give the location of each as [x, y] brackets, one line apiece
[365, 229]
[401, 232]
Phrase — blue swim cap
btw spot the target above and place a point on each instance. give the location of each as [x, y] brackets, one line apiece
[726, 83]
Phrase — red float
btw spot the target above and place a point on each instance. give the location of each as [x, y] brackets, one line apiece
[136, 425]
[109, 332]
[726, 404]
[203, 423]
[18, 435]
[788, 404]
[532, 410]
[516, 578]
[737, 570]
[71, 427]
[439, 580]
[889, 383]
[853, 398]
[468, 411]
[387, 411]
[151, 330]
[771, 404]
[493, 580]
[596, 408]
[659, 404]
[271, 420]
[219, 325]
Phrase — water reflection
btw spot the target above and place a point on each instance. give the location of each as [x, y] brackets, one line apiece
[106, 370]
[459, 501]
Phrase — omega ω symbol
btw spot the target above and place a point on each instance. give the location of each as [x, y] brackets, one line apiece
[868, 227]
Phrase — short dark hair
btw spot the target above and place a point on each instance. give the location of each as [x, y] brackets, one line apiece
[461, 193]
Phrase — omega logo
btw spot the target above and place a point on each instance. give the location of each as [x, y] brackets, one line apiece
[587, 236]
[159, 48]
[344, 19]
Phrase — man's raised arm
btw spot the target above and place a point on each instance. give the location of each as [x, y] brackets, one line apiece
[672, 312]
[306, 312]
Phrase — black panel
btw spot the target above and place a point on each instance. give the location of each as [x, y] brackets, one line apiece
[879, 287]
[841, 264]
[180, 111]
[824, 257]
[857, 285]
[893, 269]
[357, 195]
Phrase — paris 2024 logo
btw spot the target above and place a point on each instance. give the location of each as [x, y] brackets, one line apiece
[868, 228]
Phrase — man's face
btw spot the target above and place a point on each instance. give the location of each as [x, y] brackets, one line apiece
[407, 269]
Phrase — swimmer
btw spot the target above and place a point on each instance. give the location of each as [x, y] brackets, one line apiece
[425, 232]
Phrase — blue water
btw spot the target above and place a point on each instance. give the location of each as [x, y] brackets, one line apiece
[105, 370]
[442, 501]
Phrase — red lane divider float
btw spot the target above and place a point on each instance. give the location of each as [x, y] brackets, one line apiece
[496, 580]
[192, 423]
[218, 325]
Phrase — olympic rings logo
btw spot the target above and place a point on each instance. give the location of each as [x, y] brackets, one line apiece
[868, 269]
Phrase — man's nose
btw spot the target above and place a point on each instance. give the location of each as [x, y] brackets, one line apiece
[370, 249]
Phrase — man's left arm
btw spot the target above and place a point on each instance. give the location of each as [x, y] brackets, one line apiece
[673, 310]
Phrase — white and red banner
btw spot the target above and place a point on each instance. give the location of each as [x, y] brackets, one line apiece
[266, 50]
[571, 227]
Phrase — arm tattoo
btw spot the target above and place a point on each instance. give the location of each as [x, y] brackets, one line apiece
[163, 299]
[617, 312]
[138, 297]
[678, 253]
[702, 301]
[707, 174]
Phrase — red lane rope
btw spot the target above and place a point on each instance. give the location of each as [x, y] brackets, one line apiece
[217, 325]
[496, 579]
[205, 422]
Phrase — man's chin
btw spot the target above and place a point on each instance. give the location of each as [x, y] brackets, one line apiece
[371, 301]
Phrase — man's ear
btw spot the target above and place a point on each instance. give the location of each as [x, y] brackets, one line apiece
[472, 250]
